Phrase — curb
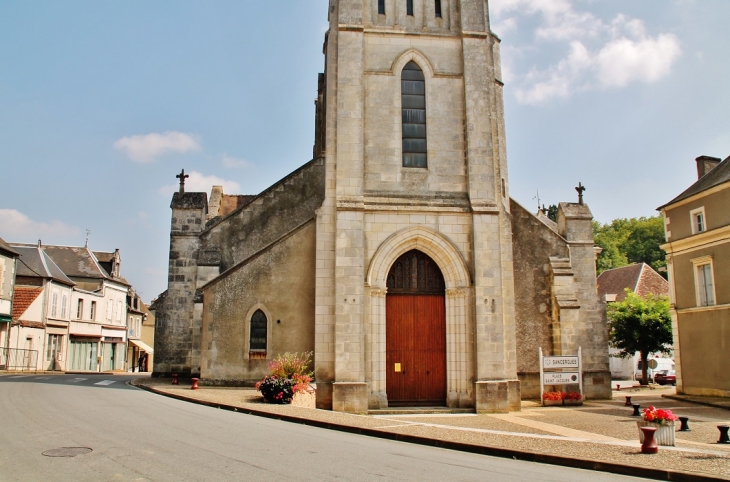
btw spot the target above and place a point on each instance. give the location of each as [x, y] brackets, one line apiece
[680, 398]
[587, 464]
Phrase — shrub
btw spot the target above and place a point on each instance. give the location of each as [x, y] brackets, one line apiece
[552, 395]
[572, 396]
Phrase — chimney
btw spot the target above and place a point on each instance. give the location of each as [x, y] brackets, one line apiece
[705, 164]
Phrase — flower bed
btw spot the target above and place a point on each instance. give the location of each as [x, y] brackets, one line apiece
[561, 398]
[663, 421]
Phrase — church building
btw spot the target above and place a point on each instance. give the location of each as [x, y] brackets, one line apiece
[395, 255]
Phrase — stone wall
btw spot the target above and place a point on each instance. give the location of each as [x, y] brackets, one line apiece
[278, 281]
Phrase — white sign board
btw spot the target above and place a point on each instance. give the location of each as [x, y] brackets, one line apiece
[550, 362]
[560, 378]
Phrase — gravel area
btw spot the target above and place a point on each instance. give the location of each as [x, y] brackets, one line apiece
[606, 418]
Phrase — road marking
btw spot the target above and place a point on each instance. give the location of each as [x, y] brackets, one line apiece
[42, 378]
[76, 380]
[19, 376]
[105, 382]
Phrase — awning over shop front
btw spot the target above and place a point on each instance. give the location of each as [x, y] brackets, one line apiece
[5, 319]
[144, 346]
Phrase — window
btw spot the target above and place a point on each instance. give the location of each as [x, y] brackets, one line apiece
[109, 308]
[437, 6]
[54, 347]
[704, 281]
[258, 332]
[80, 310]
[92, 315]
[409, 7]
[119, 311]
[381, 7]
[413, 111]
[54, 303]
[64, 298]
[697, 217]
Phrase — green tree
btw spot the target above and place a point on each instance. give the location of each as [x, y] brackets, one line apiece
[552, 212]
[641, 325]
[627, 241]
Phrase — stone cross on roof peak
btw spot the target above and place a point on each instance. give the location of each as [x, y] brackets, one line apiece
[182, 176]
[580, 190]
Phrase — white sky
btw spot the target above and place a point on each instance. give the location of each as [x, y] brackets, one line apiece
[102, 103]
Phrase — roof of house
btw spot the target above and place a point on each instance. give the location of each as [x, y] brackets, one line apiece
[35, 263]
[76, 262]
[718, 175]
[23, 297]
[6, 248]
[640, 278]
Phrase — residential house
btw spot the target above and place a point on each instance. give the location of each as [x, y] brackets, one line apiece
[41, 311]
[8, 257]
[643, 280]
[697, 226]
[75, 300]
[139, 353]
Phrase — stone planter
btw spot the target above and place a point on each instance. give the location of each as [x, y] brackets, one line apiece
[664, 432]
[552, 403]
[573, 403]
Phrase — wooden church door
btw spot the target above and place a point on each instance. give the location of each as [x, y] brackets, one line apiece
[415, 330]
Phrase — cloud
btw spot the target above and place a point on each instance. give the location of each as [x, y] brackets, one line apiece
[17, 227]
[198, 182]
[600, 54]
[148, 147]
[234, 162]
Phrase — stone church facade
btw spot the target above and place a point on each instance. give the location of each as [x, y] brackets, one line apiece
[396, 255]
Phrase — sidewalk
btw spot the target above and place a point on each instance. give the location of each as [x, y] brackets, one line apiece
[600, 435]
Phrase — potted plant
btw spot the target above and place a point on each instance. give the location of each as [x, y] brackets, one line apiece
[572, 398]
[662, 420]
[550, 399]
[289, 374]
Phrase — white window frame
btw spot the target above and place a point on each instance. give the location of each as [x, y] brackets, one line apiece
[693, 215]
[109, 309]
[64, 299]
[92, 312]
[80, 309]
[700, 286]
[119, 311]
[54, 303]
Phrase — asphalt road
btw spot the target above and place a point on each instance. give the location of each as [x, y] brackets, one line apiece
[136, 435]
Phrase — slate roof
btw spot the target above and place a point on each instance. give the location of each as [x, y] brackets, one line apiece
[640, 278]
[76, 262]
[719, 175]
[23, 297]
[6, 248]
[34, 262]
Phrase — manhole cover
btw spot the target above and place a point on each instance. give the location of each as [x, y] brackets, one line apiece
[67, 452]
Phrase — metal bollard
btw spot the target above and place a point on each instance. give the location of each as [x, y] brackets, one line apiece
[685, 425]
[195, 384]
[724, 439]
[628, 401]
[636, 410]
[174, 379]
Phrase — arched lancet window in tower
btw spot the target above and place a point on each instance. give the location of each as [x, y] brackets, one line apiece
[413, 111]
[381, 7]
[409, 7]
[258, 333]
[437, 7]
[415, 273]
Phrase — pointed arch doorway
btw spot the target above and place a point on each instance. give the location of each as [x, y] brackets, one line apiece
[415, 332]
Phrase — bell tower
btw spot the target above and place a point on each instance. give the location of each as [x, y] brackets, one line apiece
[411, 127]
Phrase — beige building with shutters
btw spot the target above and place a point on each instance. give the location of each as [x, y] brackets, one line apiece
[697, 226]
[396, 254]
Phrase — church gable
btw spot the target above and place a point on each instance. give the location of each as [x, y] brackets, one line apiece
[277, 211]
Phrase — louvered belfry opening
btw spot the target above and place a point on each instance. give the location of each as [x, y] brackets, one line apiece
[413, 109]
[415, 273]
[415, 332]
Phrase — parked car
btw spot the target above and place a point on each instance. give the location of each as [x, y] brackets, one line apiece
[665, 377]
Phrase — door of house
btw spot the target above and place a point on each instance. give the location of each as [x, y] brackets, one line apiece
[415, 332]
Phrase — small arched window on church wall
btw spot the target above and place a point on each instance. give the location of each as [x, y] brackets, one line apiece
[437, 8]
[257, 335]
[413, 113]
[381, 7]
